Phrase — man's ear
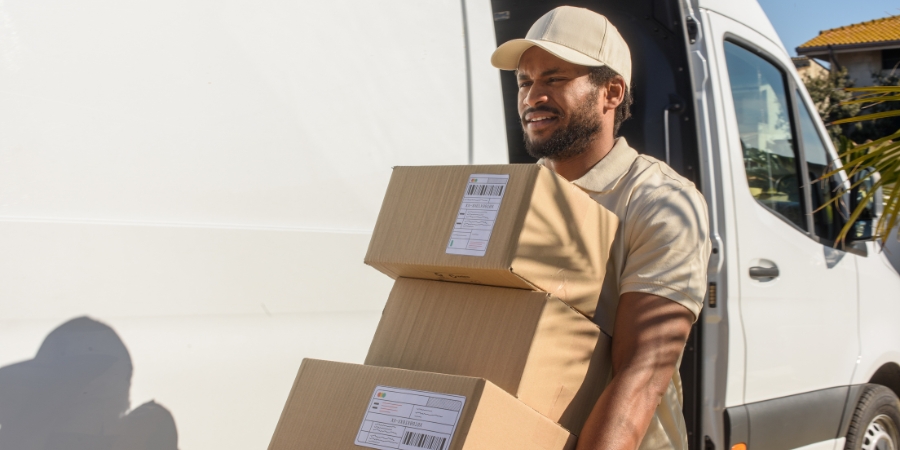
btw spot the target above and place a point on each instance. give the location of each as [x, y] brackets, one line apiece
[615, 93]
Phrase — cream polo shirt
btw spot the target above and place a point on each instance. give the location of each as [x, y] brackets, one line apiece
[661, 247]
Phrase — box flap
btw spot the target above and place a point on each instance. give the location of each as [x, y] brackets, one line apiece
[523, 427]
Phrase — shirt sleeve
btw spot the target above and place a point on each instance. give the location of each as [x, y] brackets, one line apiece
[668, 246]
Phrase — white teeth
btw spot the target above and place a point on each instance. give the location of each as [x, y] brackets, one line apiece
[539, 119]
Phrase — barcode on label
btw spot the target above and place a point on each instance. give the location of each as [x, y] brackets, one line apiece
[478, 212]
[407, 419]
[423, 440]
[452, 405]
[485, 190]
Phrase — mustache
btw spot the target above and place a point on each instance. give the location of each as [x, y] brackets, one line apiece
[543, 108]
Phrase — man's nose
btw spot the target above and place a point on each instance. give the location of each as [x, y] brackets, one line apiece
[535, 96]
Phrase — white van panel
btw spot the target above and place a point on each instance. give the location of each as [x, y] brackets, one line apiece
[747, 12]
[488, 122]
[242, 113]
[215, 320]
[62, 270]
[224, 379]
[879, 307]
[202, 178]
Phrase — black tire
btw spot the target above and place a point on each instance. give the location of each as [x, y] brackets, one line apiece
[876, 420]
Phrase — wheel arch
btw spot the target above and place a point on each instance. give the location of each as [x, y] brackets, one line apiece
[888, 375]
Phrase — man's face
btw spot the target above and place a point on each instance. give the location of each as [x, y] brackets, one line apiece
[558, 106]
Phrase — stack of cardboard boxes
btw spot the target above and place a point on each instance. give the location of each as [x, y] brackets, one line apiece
[485, 341]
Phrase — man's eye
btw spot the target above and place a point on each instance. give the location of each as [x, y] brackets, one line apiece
[524, 84]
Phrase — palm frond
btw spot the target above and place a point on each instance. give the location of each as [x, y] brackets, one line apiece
[875, 99]
[856, 156]
[882, 155]
[877, 89]
[873, 116]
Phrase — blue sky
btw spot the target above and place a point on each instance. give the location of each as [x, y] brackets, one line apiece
[798, 21]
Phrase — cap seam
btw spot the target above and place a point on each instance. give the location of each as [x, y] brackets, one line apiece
[549, 26]
[603, 39]
[519, 59]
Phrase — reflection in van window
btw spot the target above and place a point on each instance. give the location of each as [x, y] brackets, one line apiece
[761, 107]
[827, 222]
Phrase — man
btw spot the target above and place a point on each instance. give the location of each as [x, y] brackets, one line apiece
[574, 70]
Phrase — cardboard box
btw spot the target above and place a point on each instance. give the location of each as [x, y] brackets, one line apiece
[519, 226]
[338, 406]
[528, 343]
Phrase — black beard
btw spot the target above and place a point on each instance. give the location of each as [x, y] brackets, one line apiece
[572, 140]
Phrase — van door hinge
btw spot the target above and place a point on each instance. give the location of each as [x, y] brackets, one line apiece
[693, 29]
[715, 256]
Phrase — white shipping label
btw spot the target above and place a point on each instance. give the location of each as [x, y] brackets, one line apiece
[409, 420]
[477, 214]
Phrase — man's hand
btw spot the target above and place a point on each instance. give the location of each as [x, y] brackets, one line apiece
[649, 337]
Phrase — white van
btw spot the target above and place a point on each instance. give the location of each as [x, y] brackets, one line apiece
[187, 191]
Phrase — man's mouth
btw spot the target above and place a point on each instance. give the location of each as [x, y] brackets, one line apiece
[539, 121]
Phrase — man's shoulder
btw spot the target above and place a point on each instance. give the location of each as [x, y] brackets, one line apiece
[651, 171]
[655, 185]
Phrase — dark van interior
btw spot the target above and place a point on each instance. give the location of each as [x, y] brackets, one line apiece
[658, 39]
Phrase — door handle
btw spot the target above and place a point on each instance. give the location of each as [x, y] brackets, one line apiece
[763, 272]
[675, 106]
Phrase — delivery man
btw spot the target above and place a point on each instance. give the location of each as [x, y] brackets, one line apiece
[574, 71]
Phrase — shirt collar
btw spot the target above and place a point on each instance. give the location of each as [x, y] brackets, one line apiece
[608, 171]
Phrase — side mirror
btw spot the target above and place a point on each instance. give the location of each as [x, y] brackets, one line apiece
[864, 227]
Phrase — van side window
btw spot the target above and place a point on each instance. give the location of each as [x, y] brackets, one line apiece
[763, 114]
[827, 223]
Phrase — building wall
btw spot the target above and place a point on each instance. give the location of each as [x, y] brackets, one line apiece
[813, 70]
[861, 65]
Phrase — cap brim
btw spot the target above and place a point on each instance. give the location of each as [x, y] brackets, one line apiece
[507, 56]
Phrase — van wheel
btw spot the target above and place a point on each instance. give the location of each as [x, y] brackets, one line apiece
[875, 422]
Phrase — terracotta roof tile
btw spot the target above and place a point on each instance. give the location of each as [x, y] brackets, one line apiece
[878, 30]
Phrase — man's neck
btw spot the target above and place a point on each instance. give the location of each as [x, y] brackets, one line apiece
[576, 166]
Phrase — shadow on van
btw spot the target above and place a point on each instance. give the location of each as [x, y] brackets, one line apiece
[74, 395]
[892, 248]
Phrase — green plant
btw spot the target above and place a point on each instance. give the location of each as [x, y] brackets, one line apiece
[875, 129]
[881, 154]
[828, 93]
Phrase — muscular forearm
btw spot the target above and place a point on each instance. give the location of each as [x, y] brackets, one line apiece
[650, 333]
[622, 414]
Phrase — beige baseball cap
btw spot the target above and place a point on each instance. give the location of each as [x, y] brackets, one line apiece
[577, 35]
